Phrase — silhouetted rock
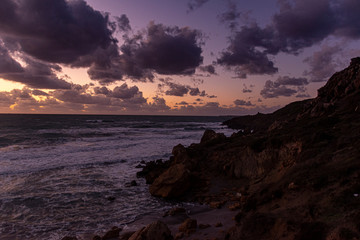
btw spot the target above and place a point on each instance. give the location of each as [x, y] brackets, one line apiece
[152, 170]
[188, 226]
[154, 231]
[114, 233]
[172, 183]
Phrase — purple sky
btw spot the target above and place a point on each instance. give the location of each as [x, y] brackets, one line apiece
[188, 57]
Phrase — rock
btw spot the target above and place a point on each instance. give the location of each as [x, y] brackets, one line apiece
[69, 238]
[126, 235]
[211, 136]
[204, 226]
[175, 211]
[133, 183]
[188, 226]
[154, 231]
[111, 198]
[179, 235]
[219, 224]
[113, 233]
[96, 237]
[217, 204]
[152, 170]
[174, 182]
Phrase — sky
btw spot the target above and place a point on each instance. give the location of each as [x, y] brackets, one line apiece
[184, 57]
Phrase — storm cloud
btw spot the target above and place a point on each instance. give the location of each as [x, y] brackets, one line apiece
[35, 74]
[60, 31]
[297, 25]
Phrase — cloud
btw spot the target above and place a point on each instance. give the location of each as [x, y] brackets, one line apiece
[169, 50]
[208, 69]
[183, 103]
[322, 63]
[297, 25]
[35, 74]
[122, 92]
[60, 31]
[37, 92]
[158, 105]
[239, 102]
[243, 54]
[283, 86]
[180, 90]
[246, 89]
[123, 23]
[7, 63]
[176, 90]
[194, 4]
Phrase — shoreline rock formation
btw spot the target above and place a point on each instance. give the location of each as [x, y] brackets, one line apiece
[292, 174]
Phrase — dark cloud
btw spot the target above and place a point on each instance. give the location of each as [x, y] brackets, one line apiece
[283, 86]
[60, 31]
[183, 103]
[322, 63]
[158, 105]
[208, 69]
[180, 90]
[239, 102]
[246, 89]
[243, 54]
[159, 49]
[348, 18]
[7, 63]
[194, 4]
[169, 50]
[176, 90]
[35, 74]
[303, 23]
[120, 96]
[37, 92]
[123, 23]
[298, 24]
[122, 92]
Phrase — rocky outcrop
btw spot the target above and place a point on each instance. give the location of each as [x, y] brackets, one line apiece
[292, 174]
[174, 182]
[154, 231]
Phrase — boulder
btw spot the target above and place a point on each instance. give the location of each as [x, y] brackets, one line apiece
[210, 136]
[188, 226]
[154, 231]
[114, 233]
[174, 182]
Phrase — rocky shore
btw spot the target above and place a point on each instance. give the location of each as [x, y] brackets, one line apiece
[292, 174]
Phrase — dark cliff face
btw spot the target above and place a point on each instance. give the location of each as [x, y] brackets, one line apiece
[298, 169]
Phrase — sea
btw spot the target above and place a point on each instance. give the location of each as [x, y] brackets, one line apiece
[69, 174]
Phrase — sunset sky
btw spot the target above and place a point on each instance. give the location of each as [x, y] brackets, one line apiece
[184, 57]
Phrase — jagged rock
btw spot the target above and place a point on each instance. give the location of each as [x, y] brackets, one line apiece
[152, 170]
[175, 211]
[211, 136]
[114, 233]
[69, 238]
[188, 226]
[154, 231]
[174, 182]
[180, 154]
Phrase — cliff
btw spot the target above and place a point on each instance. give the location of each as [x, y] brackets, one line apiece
[292, 174]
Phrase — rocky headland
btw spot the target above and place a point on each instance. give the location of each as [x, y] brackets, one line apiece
[292, 174]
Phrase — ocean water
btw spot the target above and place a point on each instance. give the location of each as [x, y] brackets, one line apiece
[68, 174]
